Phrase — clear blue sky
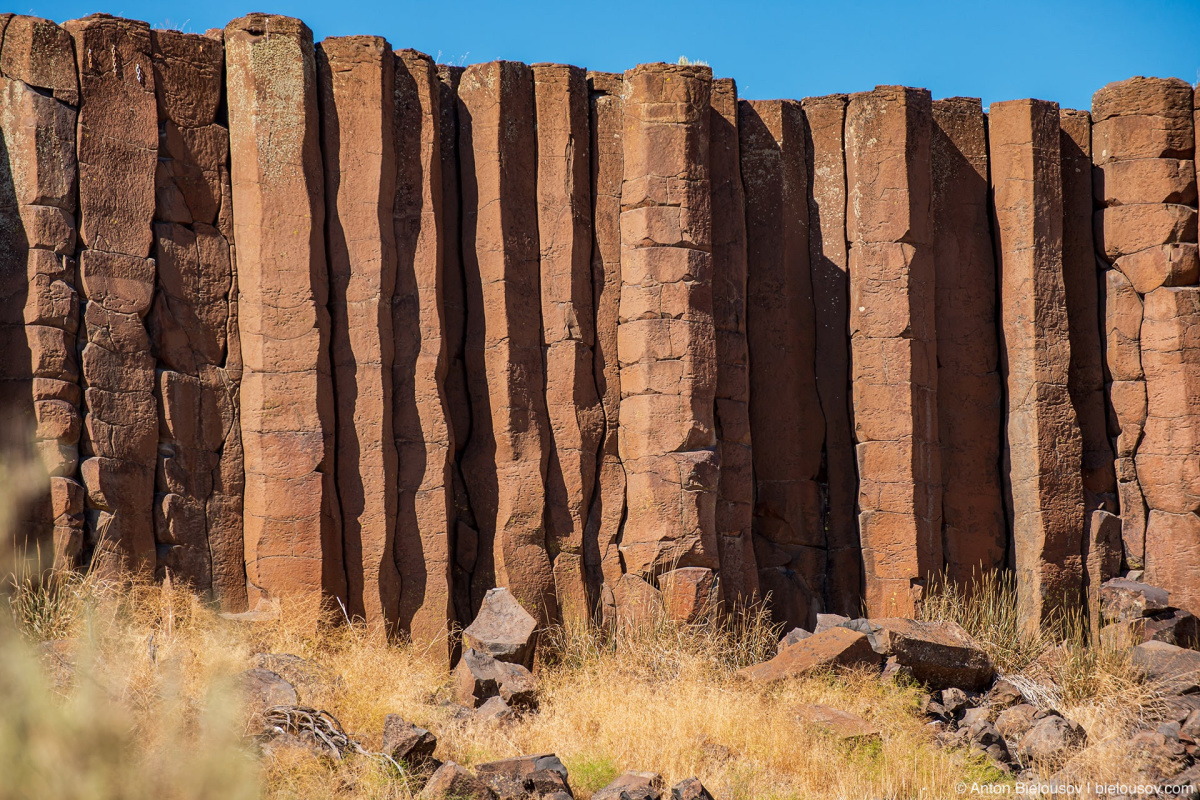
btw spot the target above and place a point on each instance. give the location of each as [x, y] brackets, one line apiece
[998, 50]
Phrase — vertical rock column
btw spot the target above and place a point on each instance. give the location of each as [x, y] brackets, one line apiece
[1044, 446]
[825, 118]
[601, 540]
[893, 344]
[504, 466]
[970, 413]
[786, 422]
[39, 309]
[117, 147]
[735, 501]
[568, 322]
[1144, 147]
[292, 520]
[665, 339]
[357, 86]
[193, 325]
[425, 440]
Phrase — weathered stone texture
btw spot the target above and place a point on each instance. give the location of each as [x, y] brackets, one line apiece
[829, 258]
[665, 340]
[564, 225]
[356, 78]
[735, 496]
[1173, 556]
[1044, 452]
[1085, 379]
[606, 118]
[117, 152]
[894, 345]
[504, 465]
[970, 408]
[425, 440]
[785, 410]
[292, 518]
[39, 309]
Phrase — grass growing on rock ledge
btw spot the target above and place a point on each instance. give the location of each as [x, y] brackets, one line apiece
[151, 710]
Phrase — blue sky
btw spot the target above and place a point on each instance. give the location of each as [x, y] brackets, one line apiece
[998, 50]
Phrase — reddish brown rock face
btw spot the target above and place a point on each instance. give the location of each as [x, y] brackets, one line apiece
[1044, 452]
[564, 227]
[39, 310]
[1086, 376]
[828, 254]
[425, 442]
[505, 461]
[117, 151]
[1172, 556]
[602, 555]
[893, 343]
[292, 545]
[970, 408]
[357, 85]
[785, 410]
[665, 340]
[735, 500]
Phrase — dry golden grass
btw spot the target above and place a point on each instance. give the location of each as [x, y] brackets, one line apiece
[153, 712]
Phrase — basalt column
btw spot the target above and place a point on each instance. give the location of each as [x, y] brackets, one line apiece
[970, 413]
[193, 325]
[117, 147]
[425, 441]
[665, 339]
[735, 500]
[564, 225]
[357, 86]
[39, 309]
[292, 519]
[826, 117]
[1044, 446]
[602, 557]
[504, 465]
[1144, 147]
[893, 344]
[786, 422]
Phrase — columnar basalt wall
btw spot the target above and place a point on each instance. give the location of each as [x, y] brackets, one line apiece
[785, 409]
[1143, 148]
[39, 300]
[278, 318]
[666, 344]
[970, 413]
[894, 344]
[1044, 446]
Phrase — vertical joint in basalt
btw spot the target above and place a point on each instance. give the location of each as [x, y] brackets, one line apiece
[356, 79]
[665, 336]
[193, 325]
[39, 316]
[970, 411]
[602, 535]
[292, 520]
[504, 465]
[825, 119]
[426, 439]
[1044, 444]
[894, 344]
[786, 421]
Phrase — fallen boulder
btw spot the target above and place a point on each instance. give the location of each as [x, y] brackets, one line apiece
[1177, 669]
[453, 781]
[1050, 741]
[1122, 599]
[1173, 626]
[841, 725]
[525, 777]
[690, 789]
[478, 677]
[503, 629]
[261, 689]
[833, 647]
[405, 742]
[1014, 722]
[633, 786]
[793, 636]
[940, 654]
[495, 711]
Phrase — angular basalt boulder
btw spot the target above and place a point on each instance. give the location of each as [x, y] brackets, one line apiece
[842, 725]
[452, 780]
[1122, 599]
[690, 789]
[479, 677]
[1175, 669]
[1051, 740]
[632, 786]
[940, 654]
[503, 628]
[835, 647]
[406, 742]
[525, 777]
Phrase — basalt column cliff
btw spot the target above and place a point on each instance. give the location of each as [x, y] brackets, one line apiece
[281, 316]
